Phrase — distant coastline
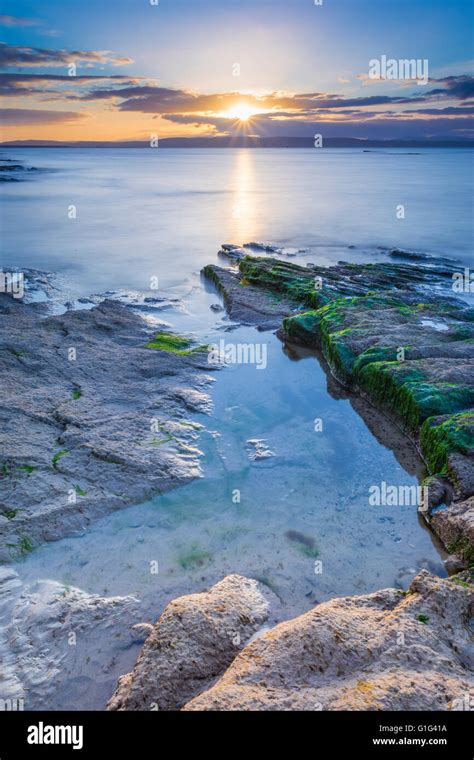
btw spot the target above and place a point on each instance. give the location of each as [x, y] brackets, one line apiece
[243, 142]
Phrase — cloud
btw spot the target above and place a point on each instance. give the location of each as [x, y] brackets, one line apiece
[28, 116]
[164, 100]
[159, 100]
[17, 21]
[449, 111]
[375, 127]
[19, 55]
[461, 87]
[17, 85]
[444, 104]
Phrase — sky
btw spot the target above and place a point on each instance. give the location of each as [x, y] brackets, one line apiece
[136, 69]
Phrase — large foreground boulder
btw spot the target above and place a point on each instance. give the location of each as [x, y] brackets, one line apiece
[194, 641]
[385, 651]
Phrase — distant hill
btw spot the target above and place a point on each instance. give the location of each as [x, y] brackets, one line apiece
[243, 141]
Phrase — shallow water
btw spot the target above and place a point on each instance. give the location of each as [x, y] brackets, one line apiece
[141, 213]
[310, 501]
[165, 212]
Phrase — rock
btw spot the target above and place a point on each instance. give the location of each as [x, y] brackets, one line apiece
[459, 465]
[232, 252]
[455, 526]
[52, 643]
[437, 490]
[454, 564]
[383, 651]
[397, 253]
[316, 286]
[248, 304]
[92, 419]
[265, 247]
[193, 642]
[141, 631]
[259, 449]
[216, 307]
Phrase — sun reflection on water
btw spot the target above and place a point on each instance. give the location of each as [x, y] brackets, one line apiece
[243, 211]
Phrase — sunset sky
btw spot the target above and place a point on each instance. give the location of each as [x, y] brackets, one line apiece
[219, 67]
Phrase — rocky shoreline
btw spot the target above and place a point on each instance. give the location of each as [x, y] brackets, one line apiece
[394, 333]
[390, 650]
[96, 416]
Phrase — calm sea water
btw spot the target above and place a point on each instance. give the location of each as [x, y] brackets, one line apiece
[163, 212]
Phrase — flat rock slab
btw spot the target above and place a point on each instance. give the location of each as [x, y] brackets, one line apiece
[91, 420]
[247, 304]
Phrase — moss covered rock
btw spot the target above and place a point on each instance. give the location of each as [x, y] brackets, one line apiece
[391, 332]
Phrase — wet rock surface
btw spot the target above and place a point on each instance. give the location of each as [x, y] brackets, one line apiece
[383, 651]
[247, 304]
[91, 419]
[59, 644]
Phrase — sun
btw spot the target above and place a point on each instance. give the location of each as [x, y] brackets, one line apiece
[241, 111]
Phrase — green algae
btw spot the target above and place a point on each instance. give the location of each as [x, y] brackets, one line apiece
[439, 437]
[176, 344]
[460, 582]
[59, 455]
[377, 354]
[285, 278]
[338, 353]
[462, 334]
[7, 472]
[22, 548]
[28, 468]
[76, 394]
[464, 549]
[303, 327]
[10, 514]
[407, 391]
[194, 558]
[168, 436]
[265, 580]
